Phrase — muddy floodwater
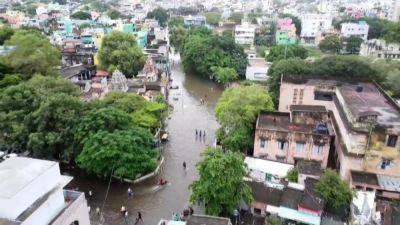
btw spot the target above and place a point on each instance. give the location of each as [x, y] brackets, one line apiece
[188, 114]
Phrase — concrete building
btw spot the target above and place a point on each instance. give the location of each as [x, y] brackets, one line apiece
[395, 14]
[365, 119]
[312, 24]
[31, 193]
[380, 49]
[285, 32]
[359, 29]
[244, 34]
[257, 69]
[301, 133]
[198, 220]
[196, 21]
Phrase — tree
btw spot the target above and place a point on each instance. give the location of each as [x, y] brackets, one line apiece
[221, 186]
[122, 153]
[392, 82]
[115, 14]
[61, 2]
[120, 50]
[333, 190]
[9, 80]
[392, 32]
[40, 112]
[236, 17]
[213, 18]
[177, 38]
[353, 44]
[225, 74]
[34, 55]
[160, 14]
[176, 21]
[296, 21]
[292, 175]
[376, 27]
[5, 33]
[290, 51]
[81, 15]
[236, 122]
[331, 44]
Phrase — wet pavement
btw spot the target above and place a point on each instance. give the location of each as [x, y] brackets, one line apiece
[153, 202]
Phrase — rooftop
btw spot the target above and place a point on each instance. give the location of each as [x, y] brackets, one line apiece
[279, 121]
[264, 194]
[364, 178]
[258, 62]
[308, 108]
[309, 167]
[18, 172]
[268, 166]
[207, 220]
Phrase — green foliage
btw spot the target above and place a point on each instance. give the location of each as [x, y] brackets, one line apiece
[296, 21]
[160, 14]
[177, 37]
[120, 50]
[392, 32]
[5, 34]
[225, 74]
[176, 21]
[262, 51]
[123, 153]
[331, 44]
[34, 55]
[61, 2]
[353, 44]
[39, 115]
[236, 111]
[81, 15]
[202, 50]
[221, 186]
[333, 190]
[392, 82]
[290, 51]
[213, 18]
[292, 175]
[9, 80]
[115, 14]
[236, 17]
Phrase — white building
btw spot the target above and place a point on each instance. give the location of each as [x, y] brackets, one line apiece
[244, 34]
[257, 69]
[395, 14]
[312, 25]
[359, 29]
[31, 193]
[380, 49]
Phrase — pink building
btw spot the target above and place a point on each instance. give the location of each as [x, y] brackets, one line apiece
[302, 133]
[366, 121]
[286, 25]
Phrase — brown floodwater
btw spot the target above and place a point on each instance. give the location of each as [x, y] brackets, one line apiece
[187, 115]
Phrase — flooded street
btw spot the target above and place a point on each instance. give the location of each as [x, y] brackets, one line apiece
[187, 115]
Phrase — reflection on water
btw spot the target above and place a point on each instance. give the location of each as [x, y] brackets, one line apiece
[153, 202]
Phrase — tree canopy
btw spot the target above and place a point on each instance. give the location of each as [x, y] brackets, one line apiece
[291, 51]
[176, 21]
[33, 54]
[333, 190]
[224, 74]
[221, 186]
[213, 18]
[115, 14]
[81, 15]
[353, 44]
[236, 111]
[392, 32]
[331, 44]
[123, 153]
[236, 17]
[120, 51]
[5, 33]
[160, 14]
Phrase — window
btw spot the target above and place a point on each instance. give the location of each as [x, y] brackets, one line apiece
[323, 96]
[317, 149]
[282, 145]
[268, 177]
[294, 96]
[299, 147]
[263, 143]
[385, 163]
[392, 141]
[301, 96]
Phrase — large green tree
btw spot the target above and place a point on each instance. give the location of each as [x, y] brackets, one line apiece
[122, 153]
[177, 37]
[333, 190]
[331, 44]
[115, 14]
[176, 21]
[120, 51]
[392, 32]
[213, 18]
[33, 54]
[236, 111]
[221, 186]
[224, 75]
[81, 15]
[285, 52]
[160, 14]
[353, 44]
[5, 33]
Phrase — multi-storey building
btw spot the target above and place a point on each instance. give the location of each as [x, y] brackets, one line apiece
[366, 121]
[359, 29]
[196, 21]
[312, 24]
[31, 192]
[286, 32]
[244, 34]
[380, 49]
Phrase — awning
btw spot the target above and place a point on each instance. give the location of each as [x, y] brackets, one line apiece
[295, 215]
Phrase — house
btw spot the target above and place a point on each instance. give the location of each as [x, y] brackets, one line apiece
[359, 29]
[380, 49]
[312, 24]
[305, 132]
[308, 169]
[366, 121]
[31, 192]
[196, 21]
[285, 32]
[244, 34]
[198, 220]
[257, 69]
[269, 172]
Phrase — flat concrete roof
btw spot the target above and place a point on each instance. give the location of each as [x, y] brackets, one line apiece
[17, 172]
